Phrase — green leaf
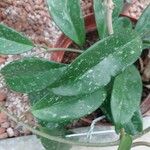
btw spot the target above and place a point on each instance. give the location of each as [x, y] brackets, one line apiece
[100, 16]
[126, 96]
[122, 23]
[118, 8]
[55, 108]
[143, 24]
[13, 42]
[125, 143]
[135, 125]
[105, 107]
[95, 67]
[31, 74]
[68, 16]
[108, 58]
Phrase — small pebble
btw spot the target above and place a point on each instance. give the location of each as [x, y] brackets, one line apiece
[3, 117]
[29, 117]
[2, 103]
[13, 124]
[5, 125]
[10, 132]
[3, 136]
[2, 96]
[26, 132]
[16, 133]
[2, 60]
[2, 130]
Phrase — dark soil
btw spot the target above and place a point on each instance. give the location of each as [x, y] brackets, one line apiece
[141, 67]
[91, 38]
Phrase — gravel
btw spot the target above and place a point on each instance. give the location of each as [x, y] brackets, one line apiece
[135, 9]
[37, 24]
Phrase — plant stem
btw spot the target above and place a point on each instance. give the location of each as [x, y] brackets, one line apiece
[62, 49]
[65, 49]
[122, 133]
[109, 7]
[66, 141]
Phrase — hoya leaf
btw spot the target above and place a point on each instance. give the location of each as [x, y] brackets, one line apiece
[143, 24]
[105, 107]
[95, 67]
[55, 108]
[125, 142]
[100, 17]
[13, 42]
[68, 16]
[118, 6]
[31, 74]
[122, 23]
[126, 96]
[135, 125]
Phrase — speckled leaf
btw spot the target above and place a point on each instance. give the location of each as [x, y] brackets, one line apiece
[68, 16]
[56, 108]
[122, 23]
[143, 24]
[13, 42]
[125, 142]
[126, 96]
[135, 125]
[95, 67]
[31, 74]
[105, 107]
[118, 6]
[100, 13]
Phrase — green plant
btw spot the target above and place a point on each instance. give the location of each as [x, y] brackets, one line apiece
[102, 77]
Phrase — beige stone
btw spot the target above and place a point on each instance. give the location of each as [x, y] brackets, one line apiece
[3, 117]
[2, 96]
[10, 132]
[5, 125]
[3, 136]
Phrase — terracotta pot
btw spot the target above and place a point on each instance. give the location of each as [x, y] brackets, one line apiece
[65, 42]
